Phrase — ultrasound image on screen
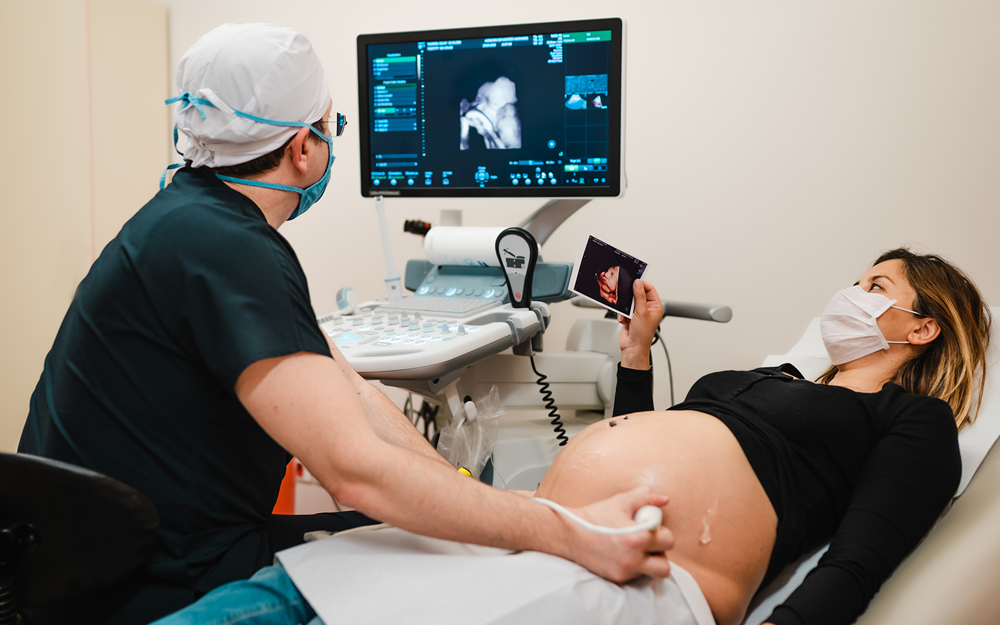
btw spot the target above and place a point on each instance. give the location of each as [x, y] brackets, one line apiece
[493, 115]
[508, 111]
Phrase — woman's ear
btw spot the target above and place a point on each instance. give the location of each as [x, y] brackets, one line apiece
[925, 333]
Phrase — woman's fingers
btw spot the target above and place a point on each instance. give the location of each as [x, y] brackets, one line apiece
[653, 303]
[639, 293]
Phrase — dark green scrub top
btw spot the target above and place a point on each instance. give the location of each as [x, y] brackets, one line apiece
[139, 384]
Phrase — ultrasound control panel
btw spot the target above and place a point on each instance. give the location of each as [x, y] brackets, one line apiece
[384, 343]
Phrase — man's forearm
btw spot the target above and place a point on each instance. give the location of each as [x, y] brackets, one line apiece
[386, 419]
[391, 424]
[474, 512]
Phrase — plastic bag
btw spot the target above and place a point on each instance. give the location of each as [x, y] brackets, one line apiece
[467, 442]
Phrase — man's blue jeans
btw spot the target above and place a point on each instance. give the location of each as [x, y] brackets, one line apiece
[267, 598]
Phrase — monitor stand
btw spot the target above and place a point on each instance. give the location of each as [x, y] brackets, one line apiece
[544, 221]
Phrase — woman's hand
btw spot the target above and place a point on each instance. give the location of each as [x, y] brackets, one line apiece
[637, 332]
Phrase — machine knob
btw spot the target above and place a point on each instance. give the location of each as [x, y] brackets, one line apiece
[445, 329]
[359, 321]
[428, 327]
[461, 330]
[414, 325]
[347, 338]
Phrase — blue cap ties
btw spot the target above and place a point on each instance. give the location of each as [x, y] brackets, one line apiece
[188, 100]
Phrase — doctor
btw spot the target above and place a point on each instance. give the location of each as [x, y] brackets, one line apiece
[190, 365]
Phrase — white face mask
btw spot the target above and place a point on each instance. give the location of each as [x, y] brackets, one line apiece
[849, 325]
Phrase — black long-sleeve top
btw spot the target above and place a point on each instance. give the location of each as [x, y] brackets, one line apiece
[869, 472]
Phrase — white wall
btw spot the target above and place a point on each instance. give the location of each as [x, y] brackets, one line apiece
[774, 149]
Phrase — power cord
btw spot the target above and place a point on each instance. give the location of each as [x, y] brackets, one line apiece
[550, 405]
[670, 369]
[656, 338]
[424, 418]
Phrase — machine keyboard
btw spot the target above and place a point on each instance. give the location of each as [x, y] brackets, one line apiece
[435, 304]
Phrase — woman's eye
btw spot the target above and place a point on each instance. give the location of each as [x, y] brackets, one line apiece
[875, 285]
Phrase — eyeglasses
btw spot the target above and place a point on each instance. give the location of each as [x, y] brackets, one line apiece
[341, 122]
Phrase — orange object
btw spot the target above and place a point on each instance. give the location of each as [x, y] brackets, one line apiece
[286, 495]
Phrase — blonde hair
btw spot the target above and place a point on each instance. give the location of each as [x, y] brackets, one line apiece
[953, 366]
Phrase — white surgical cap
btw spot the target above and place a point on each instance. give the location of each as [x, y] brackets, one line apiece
[266, 70]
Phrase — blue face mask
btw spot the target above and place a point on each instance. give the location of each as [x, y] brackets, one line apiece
[308, 196]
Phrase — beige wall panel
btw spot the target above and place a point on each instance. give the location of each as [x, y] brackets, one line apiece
[44, 189]
[83, 85]
[128, 78]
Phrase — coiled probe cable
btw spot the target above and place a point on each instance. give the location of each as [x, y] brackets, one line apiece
[550, 405]
[647, 519]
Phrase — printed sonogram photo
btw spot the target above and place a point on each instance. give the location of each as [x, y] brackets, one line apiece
[605, 274]
[607, 284]
[493, 115]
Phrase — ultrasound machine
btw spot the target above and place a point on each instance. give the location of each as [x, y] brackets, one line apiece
[531, 110]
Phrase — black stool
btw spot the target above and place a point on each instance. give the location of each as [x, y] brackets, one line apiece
[66, 533]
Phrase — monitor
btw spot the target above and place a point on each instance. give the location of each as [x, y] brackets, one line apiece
[529, 110]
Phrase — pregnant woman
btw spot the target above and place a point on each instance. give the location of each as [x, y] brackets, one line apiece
[762, 466]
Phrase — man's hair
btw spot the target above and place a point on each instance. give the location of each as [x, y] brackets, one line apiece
[267, 162]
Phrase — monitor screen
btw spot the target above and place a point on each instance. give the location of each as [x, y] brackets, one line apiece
[530, 110]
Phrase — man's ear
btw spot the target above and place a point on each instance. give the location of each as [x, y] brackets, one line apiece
[297, 149]
[925, 333]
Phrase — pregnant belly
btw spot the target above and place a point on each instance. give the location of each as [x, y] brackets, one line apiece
[722, 520]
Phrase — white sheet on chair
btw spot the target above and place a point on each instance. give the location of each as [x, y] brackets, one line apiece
[392, 576]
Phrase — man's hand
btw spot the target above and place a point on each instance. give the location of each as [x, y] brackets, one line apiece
[637, 332]
[309, 406]
[621, 558]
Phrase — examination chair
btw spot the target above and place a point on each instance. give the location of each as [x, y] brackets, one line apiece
[69, 541]
[952, 576]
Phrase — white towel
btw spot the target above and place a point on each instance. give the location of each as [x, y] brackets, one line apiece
[393, 576]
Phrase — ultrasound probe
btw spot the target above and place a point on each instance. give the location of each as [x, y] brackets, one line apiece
[647, 519]
[517, 252]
